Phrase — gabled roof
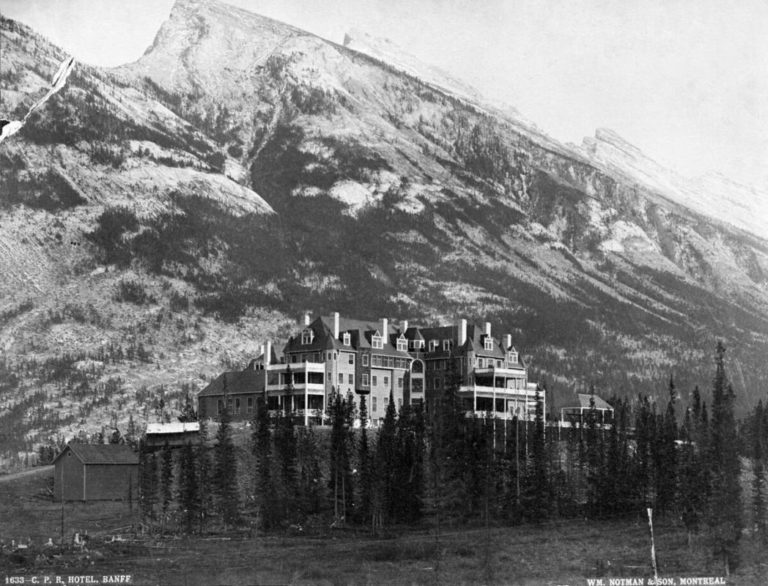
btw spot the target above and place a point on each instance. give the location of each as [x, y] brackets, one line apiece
[239, 382]
[173, 427]
[101, 453]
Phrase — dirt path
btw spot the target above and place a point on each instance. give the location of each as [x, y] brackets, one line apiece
[23, 473]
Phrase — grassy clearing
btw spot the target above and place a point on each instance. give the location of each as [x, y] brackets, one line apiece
[564, 552]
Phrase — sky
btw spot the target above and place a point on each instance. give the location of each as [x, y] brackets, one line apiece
[684, 80]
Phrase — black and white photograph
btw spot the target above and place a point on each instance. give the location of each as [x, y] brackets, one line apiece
[356, 292]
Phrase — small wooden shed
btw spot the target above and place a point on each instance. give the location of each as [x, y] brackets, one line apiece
[176, 434]
[89, 472]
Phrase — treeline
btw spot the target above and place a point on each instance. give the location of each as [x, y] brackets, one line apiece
[451, 469]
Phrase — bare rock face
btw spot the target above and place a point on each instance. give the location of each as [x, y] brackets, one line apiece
[243, 170]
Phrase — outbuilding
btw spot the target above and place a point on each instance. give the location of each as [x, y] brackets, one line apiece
[176, 434]
[89, 472]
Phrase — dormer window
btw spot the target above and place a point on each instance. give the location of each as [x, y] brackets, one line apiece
[307, 336]
[432, 345]
[447, 345]
[347, 339]
[512, 356]
[488, 343]
[402, 344]
[417, 344]
[377, 341]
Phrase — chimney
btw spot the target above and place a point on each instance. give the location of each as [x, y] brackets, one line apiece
[462, 331]
[507, 341]
[262, 351]
[335, 325]
[306, 318]
[385, 328]
[268, 353]
[403, 326]
[488, 329]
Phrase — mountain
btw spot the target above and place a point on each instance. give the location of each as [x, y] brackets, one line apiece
[162, 219]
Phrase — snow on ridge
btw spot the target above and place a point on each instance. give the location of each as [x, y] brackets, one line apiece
[713, 195]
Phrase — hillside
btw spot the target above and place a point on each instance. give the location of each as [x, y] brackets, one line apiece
[242, 171]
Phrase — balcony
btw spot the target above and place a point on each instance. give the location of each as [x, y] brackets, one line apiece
[500, 392]
[298, 388]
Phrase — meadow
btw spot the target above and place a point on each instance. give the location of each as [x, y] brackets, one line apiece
[563, 552]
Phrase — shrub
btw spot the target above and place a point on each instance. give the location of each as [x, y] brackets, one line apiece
[133, 292]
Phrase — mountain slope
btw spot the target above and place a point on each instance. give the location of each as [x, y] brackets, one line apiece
[379, 194]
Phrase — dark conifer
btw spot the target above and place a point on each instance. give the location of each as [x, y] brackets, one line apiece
[725, 520]
[225, 472]
[262, 449]
[189, 489]
[364, 466]
[758, 482]
[666, 457]
[148, 482]
[538, 489]
[166, 480]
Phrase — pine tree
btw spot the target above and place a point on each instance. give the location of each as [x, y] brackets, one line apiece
[262, 449]
[365, 486]
[666, 457]
[386, 466]
[148, 482]
[539, 496]
[593, 447]
[691, 497]
[225, 472]
[166, 481]
[310, 475]
[189, 489]
[285, 459]
[725, 520]
[340, 477]
[758, 482]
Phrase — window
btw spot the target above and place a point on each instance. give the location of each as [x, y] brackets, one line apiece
[303, 357]
[306, 336]
[400, 383]
[417, 344]
[437, 382]
[373, 403]
[386, 401]
[386, 381]
[250, 404]
[347, 339]
[400, 403]
[513, 357]
[365, 379]
[365, 360]
[374, 380]
[351, 378]
[219, 406]
[377, 341]
[432, 345]
[341, 379]
[237, 406]
[402, 344]
[351, 358]
[481, 363]
[498, 364]
[417, 386]
[488, 343]
[447, 345]
[293, 358]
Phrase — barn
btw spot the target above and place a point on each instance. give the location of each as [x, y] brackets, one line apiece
[87, 472]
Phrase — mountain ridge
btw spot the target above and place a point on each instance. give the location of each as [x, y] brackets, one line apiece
[198, 221]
